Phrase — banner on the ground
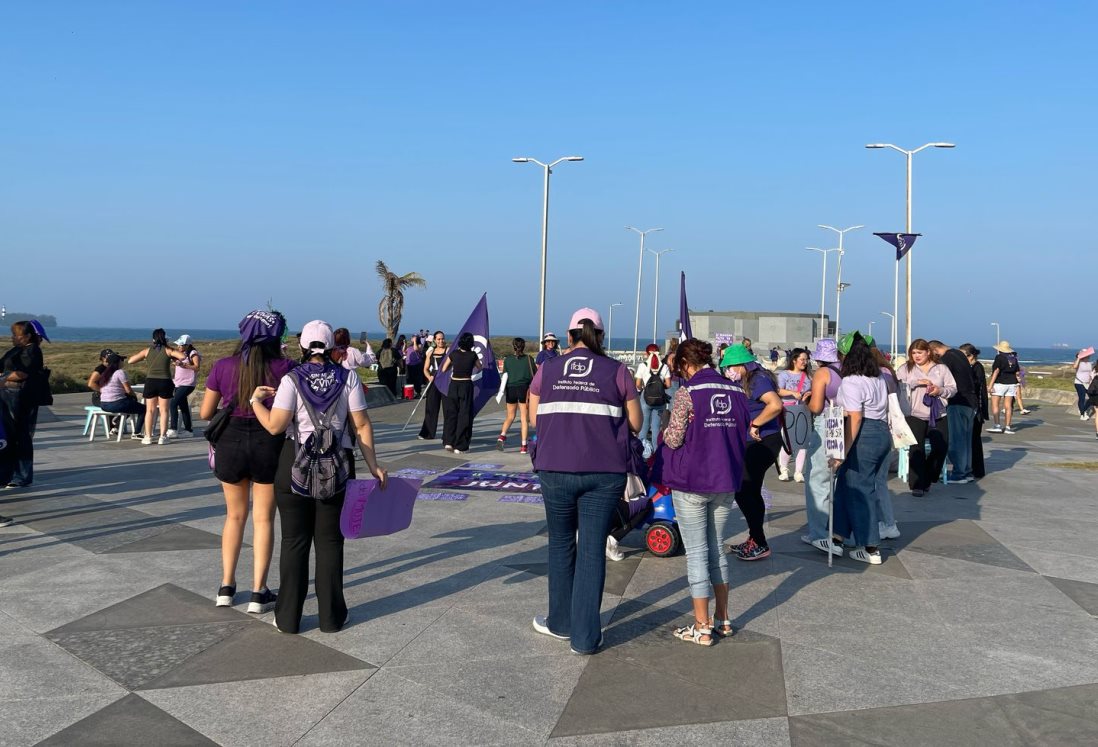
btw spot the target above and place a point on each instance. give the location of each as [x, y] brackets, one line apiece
[475, 479]
[902, 241]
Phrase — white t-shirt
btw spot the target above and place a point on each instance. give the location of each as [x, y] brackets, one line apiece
[352, 399]
[1084, 373]
[644, 373]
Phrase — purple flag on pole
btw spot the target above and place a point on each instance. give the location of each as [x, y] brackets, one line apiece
[684, 310]
[902, 241]
[485, 381]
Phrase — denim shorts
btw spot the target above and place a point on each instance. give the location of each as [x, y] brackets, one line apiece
[246, 451]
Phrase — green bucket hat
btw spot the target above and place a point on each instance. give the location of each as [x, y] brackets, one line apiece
[736, 355]
[848, 340]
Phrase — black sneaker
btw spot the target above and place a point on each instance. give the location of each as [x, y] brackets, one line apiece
[262, 601]
[6, 521]
[225, 596]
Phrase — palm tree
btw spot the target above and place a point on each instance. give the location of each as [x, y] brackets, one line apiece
[391, 308]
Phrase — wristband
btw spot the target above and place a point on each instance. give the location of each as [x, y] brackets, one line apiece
[253, 400]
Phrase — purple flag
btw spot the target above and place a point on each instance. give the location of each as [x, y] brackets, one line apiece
[902, 241]
[684, 310]
[485, 381]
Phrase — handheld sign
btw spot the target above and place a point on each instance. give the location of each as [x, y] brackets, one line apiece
[371, 512]
[834, 438]
[798, 424]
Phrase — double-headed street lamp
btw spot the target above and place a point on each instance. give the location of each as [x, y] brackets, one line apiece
[892, 334]
[840, 287]
[548, 167]
[640, 266]
[823, 287]
[909, 154]
[610, 328]
[656, 300]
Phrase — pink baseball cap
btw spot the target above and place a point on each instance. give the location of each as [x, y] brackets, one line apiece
[317, 333]
[586, 313]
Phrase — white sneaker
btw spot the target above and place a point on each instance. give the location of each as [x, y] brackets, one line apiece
[823, 544]
[171, 433]
[995, 429]
[798, 477]
[162, 440]
[1008, 431]
[612, 551]
[860, 553]
[888, 531]
[146, 440]
[1083, 417]
[783, 475]
[542, 627]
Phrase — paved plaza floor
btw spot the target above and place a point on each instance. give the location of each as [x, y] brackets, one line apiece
[979, 628]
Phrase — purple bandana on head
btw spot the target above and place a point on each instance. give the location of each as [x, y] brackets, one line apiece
[258, 327]
[320, 383]
[39, 329]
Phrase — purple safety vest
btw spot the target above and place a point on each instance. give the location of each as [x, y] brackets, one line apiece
[582, 423]
[711, 457]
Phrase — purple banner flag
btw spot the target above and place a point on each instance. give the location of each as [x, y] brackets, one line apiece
[685, 332]
[503, 482]
[485, 381]
[902, 241]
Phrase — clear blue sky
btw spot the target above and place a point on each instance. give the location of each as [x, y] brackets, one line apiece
[203, 157]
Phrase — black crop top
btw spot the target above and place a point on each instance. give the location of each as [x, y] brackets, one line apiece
[461, 363]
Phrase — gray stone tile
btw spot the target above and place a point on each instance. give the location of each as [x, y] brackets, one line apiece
[414, 715]
[258, 712]
[166, 604]
[618, 574]
[31, 668]
[133, 657]
[426, 461]
[379, 639]
[768, 732]
[961, 539]
[178, 537]
[1082, 593]
[28, 721]
[257, 651]
[891, 565]
[129, 721]
[924, 567]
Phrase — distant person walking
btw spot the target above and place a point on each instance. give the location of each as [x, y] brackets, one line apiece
[1084, 374]
[246, 455]
[23, 388]
[184, 377]
[653, 380]
[519, 370]
[457, 431]
[929, 384]
[433, 399]
[794, 387]
[549, 348]
[979, 383]
[1003, 385]
[387, 366]
[159, 388]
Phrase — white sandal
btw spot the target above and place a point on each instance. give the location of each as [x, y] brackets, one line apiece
[693, 634]
[722, 628]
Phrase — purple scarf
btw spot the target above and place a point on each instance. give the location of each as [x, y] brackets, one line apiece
[935, 405]
[320, 383]
[258, 327]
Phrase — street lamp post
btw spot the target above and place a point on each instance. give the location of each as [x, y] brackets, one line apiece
[838, 304]
[870, 327]
[548, 167]
[823, 287]
[996, 324]
[640, 266]
[610, 328]
[656, 300]
[907, 281]
[840, 288]
[891, 333]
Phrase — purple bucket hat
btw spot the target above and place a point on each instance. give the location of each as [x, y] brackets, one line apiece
[826, 351]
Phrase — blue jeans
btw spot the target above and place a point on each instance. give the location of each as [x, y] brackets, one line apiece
[856, 484]
[179, 405]
[882, 497]
[585, 501]
[20, 419]
[960, 419]
[1084, 399]
[817, 479]
[703, 521]
[651, 421]
[126, 406]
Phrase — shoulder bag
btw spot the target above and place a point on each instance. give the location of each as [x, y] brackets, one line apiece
[219, 422]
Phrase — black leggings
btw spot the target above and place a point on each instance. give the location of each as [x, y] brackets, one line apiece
[432, 401]
[923, 470]
[758, 458]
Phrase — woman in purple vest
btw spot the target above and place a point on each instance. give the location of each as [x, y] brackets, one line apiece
[817, 484]
[702, 461]
[584, 406]
[764, 429]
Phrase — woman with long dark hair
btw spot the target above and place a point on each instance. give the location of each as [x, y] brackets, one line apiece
[457, 431]
[794, 386]
[863, 396]
[584, 406]
[246, 455]
[929, 384]
[519, 370]
[979, 381]
[652, 410]
[22, 388]
[349, 357]
[433, 399]
[817, 483]
[387, 366]
[764, 429]
[335, 393]
[159, 388]
[115, 393]
[184, 378]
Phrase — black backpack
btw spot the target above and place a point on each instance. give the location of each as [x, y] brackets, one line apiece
[655, 393]
[320, 469]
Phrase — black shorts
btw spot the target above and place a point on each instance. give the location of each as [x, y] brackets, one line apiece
[517, 394]
[159, 388]
[246, 451]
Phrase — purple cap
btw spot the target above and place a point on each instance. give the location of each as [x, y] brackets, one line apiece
[826, 351]
[586, 313]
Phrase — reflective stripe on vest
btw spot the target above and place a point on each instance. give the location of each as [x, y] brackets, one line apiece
[578, 408]
[714, 385]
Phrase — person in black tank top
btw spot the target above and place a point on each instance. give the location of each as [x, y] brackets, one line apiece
[432, 364]
[457, 431]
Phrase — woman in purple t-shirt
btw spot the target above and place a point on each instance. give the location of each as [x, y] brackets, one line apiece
[246, 457]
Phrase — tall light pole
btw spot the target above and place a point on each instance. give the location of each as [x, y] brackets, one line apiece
[907, 281]
[640, 266]
[870, 327]
[838, 304]
[610, 328]
[656, 300]
[891, 333]
[823, 287]
[996, 324]
[548, 168]
[839, 287]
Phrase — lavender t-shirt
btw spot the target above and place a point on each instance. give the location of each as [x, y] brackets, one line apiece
[865, 395]
[223, 377]
[352, 399]
[114, 390]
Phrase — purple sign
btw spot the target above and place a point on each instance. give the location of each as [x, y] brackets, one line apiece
[504, 482]
[369, 511]
[441, 497]
[521, 499]
[411, 472]
[480, 465]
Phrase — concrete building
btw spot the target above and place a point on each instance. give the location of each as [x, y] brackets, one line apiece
[765, 328]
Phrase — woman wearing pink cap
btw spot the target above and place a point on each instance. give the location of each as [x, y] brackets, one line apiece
[584, 406]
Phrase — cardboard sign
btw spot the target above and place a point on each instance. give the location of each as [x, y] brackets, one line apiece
[371, 512]
[834, 436]
[798, 424]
